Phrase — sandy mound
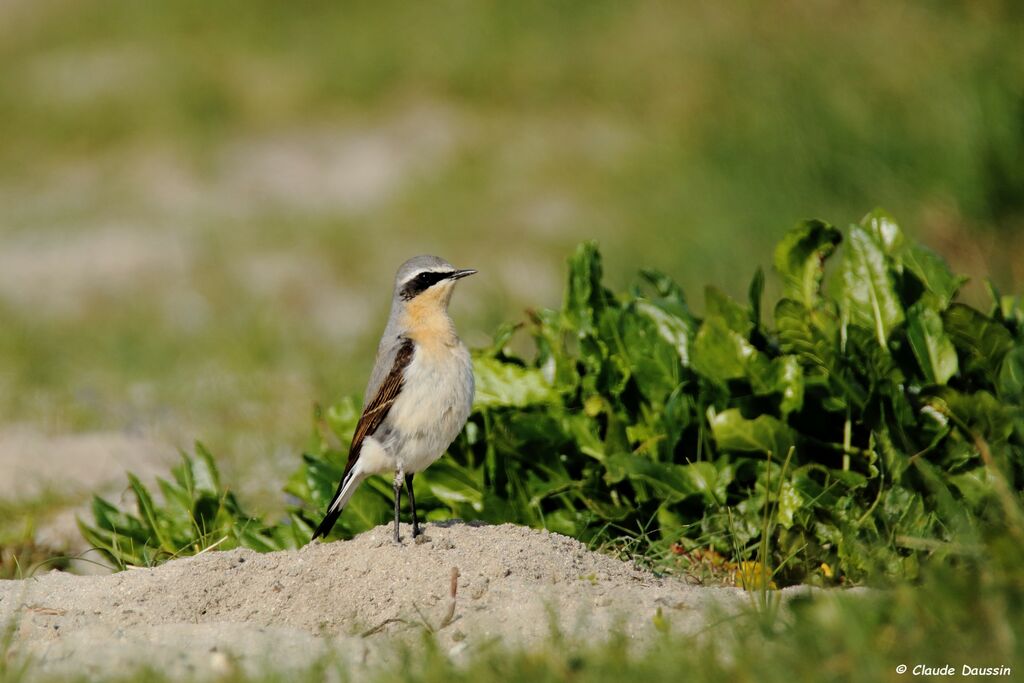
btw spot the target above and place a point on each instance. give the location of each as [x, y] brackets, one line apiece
[204, 615]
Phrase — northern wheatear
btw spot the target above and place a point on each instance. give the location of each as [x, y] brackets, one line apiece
[420, 392]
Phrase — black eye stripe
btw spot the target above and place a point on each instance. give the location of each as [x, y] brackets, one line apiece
[422, 282]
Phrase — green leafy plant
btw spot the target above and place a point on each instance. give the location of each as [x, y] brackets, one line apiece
[634, 409]
[871, 421]
[195, 513]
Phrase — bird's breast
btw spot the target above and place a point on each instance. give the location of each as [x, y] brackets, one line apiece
[433, 405]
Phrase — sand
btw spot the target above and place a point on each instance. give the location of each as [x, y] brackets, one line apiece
[353, 600]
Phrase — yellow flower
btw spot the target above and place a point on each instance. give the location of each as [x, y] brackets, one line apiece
[752, 576]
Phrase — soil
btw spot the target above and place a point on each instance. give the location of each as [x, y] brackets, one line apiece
[355, 601]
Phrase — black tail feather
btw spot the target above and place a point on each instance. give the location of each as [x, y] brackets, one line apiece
[333, 513]
[330, 519]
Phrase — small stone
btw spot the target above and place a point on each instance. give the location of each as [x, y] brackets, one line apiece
[479, 589]
[220, 664]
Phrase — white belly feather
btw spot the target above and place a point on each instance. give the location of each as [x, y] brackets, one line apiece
[430, 411]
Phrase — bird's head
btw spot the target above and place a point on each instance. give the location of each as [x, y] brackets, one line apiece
[426, 283]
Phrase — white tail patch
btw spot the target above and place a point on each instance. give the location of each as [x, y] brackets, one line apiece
[352, 482]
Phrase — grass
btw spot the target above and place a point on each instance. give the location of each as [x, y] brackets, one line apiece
[20, 553]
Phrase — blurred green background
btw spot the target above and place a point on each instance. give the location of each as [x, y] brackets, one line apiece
[202, 205]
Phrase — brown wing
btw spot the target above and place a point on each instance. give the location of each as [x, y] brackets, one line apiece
[377, 408]
[374, 412]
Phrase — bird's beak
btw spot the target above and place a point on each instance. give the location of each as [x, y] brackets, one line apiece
[459, 274]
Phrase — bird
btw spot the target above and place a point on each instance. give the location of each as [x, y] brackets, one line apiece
[420, 392]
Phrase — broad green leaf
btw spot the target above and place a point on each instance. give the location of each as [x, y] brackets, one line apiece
[788, 503]
[813, 336]
[931, 346]
[552, 484]
[676, 482]
[754, 293]
[798, 335]
[673, 328]
[833, 483]
[940, 498]
[1011, 377]
[784, 376]
[883, 227]
[606, 356]
[981, 411]
[677, 415]
[553, 358]
[800, 259]
[502, 336]
[600, 507]
[508, 384]
[342, 418]
[996, 310]
[764, 433]
[982, 341]
[666, 288]
[453, 485]
[866, 358]
[900, 504]
[654, 360]
[933, 273]
[316, 481]
[849, 479]
[869, 295]
[540, 427]
[720, 353]
[974, 485]
[584, 432]
[585, 296]
[718, 304]
[1011, 308]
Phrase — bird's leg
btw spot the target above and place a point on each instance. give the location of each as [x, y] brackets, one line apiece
[399, 477]
[412, 504]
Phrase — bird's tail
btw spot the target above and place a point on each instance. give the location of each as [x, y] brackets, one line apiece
[345, 490]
